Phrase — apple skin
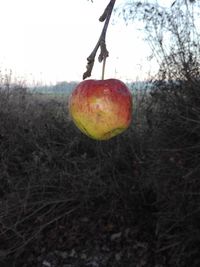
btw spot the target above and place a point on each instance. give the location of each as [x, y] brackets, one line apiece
[101, 109]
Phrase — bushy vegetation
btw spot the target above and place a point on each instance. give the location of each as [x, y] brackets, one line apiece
[60, 190]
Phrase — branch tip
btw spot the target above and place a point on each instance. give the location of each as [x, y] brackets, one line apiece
[101, 42]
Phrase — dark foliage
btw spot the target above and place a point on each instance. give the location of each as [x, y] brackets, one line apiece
[57, 184]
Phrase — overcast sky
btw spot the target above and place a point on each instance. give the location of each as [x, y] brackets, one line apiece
[48, 41]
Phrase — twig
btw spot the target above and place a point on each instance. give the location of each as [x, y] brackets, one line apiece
[168, 247]
[101, 42]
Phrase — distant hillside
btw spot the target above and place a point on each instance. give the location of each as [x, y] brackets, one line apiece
[67, 87]
[59, 88]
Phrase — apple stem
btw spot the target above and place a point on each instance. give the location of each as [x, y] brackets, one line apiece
[103, 68]
[101, 42]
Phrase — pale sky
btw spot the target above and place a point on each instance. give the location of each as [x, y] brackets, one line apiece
[48, 41]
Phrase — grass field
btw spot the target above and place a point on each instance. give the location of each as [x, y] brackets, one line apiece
[67, 200]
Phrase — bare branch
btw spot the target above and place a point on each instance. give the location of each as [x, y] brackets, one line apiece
[101, 42]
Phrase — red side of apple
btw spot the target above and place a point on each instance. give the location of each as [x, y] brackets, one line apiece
[101, 108]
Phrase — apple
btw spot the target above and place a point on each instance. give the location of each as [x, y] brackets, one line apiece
[101, 109]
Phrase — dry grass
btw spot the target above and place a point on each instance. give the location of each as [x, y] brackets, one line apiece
[146, 178]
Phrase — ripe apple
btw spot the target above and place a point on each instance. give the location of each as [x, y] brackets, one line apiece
[101, 109]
